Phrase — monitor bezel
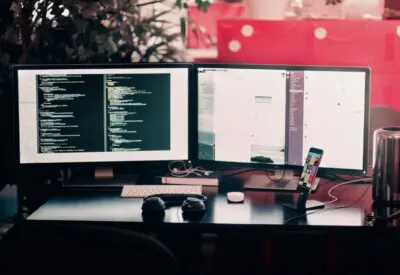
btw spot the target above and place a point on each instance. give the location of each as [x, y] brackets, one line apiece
[16, 145]
[322, 170]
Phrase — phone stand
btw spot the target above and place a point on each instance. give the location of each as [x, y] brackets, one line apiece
[304, 205]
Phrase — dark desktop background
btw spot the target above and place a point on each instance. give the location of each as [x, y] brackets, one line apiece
[76, 101]
[153, 94]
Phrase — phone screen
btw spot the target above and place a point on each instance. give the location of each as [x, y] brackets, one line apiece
[310, 169]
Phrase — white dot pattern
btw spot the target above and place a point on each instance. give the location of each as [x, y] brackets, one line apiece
[320, 33]
[247, 30]
[234, 46]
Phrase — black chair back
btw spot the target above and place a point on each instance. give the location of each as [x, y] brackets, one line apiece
[71, 248]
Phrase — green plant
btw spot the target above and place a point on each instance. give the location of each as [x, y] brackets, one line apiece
[333, 2]
[89, 31]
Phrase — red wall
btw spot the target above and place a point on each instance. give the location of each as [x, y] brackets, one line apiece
[374, 44]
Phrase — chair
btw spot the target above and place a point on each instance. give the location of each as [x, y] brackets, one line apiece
[72, 248]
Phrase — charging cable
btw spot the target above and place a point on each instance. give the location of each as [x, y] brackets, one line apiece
[180, 169]
[334, 198]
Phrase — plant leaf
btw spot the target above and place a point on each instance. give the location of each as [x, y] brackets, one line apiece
[183, 27]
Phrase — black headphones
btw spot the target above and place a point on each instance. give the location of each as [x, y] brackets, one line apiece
[193, 206]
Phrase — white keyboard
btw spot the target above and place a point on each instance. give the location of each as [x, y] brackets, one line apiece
[142, 191]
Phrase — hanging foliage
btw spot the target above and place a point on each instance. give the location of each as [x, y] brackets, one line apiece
[91, 31]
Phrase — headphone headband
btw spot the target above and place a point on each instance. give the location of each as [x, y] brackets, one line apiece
[172, 199]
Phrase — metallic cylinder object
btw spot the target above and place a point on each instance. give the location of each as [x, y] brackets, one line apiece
[386, 170]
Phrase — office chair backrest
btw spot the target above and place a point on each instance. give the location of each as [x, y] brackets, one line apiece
[59, 248]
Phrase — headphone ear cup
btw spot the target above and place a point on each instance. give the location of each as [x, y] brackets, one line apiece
[153, 204]
[153, 210]
[193, 209]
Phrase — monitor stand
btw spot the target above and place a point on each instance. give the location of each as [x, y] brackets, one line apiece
[103, 177]
[281, 181]
[303, 204]
[104, 173]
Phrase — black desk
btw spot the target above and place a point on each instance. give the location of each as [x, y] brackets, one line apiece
[260, 211]
[332, 237]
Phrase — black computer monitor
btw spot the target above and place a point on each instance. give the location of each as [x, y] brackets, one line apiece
[102, 113]
[272, 115]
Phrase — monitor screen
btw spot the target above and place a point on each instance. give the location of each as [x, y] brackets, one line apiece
[274, 115]
[102, 114]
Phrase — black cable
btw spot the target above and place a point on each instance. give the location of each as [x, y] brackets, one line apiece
[333, 177]
[242, 172]
[274, 180]
[229, 168]
[330, 209]
[390, 218]
[330, 177]
[336, 178]
[251, 170]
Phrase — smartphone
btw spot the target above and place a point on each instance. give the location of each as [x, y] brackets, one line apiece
[310, 169]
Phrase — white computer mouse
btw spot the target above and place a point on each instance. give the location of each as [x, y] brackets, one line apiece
[235, 197]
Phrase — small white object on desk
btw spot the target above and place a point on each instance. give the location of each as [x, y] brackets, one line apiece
[235, 197]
